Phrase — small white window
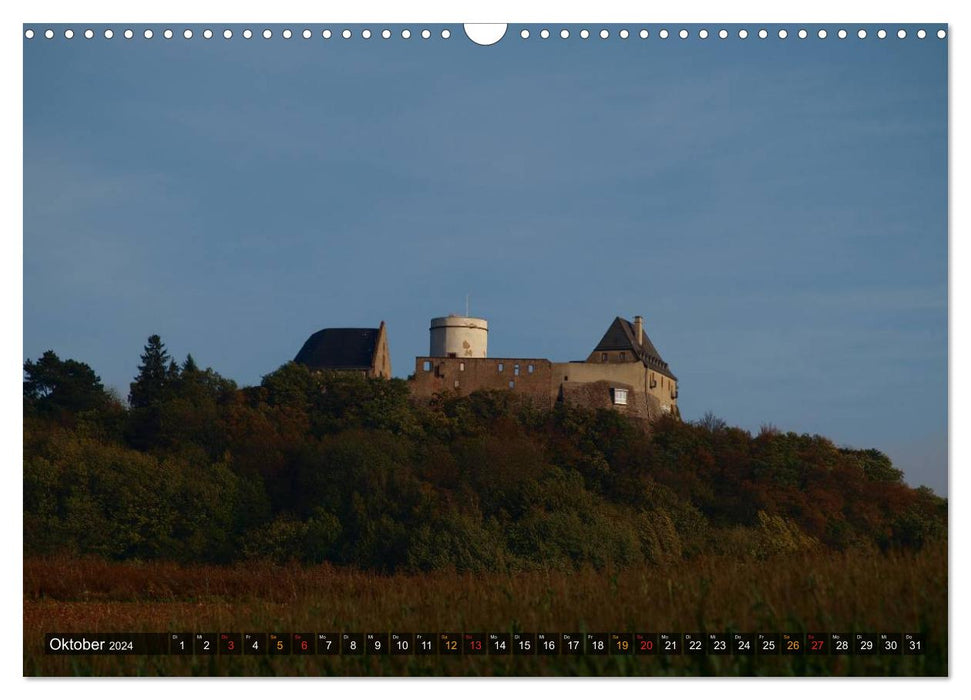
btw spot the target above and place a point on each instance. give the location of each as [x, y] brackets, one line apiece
[512, 385]
[620, 397]
[530, 368]
[456, 384]
[461, 366]
[515, 370]
[426, 366]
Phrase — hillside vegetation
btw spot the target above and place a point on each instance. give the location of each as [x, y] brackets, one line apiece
[334, 468]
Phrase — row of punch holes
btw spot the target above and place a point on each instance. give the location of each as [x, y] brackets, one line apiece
[446, 34]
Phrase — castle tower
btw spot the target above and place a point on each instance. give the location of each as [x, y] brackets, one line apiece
[459, 336]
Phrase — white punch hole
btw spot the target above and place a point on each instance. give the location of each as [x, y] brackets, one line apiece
[488, 34]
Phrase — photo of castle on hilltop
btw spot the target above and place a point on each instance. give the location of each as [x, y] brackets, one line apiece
[624, 371]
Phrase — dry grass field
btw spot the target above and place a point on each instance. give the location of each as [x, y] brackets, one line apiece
[812, 592]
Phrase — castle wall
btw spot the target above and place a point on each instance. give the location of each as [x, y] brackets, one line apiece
[632, 373]
[525, 376]
[599, 394]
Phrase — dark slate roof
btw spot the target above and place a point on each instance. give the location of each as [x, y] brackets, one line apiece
[620, 336]
[339, 348]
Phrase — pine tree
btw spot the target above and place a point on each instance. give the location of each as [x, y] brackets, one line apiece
[189, 367]
[154, 375]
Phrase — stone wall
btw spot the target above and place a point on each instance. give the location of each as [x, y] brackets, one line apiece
[545, 382]
[530, 377]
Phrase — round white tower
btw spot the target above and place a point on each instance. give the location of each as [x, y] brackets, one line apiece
[459, 336]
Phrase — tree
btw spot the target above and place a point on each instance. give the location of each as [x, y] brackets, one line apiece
[55, 386]
[711, 422]
[155, 373]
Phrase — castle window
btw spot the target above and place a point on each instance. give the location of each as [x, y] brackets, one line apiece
[620, 397]
[461, 366]
[623, 356]
[529, 368]
[512, 385]
[603, 357]
[515, 370]
[426, 366]
[501, 366]
[451, 354]
[566, 377]
[456, 384]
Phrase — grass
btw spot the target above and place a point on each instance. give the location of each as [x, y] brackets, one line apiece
[812, 592]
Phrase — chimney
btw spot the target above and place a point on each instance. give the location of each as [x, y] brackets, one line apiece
[639, 329]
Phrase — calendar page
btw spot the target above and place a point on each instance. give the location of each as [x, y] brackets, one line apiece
[538, 349]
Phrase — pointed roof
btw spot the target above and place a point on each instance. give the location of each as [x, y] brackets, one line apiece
[620, 336]
[339, 348]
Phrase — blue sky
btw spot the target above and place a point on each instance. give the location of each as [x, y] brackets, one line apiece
[777, 210]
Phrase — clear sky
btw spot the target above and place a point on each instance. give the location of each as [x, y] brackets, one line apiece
[775, 209]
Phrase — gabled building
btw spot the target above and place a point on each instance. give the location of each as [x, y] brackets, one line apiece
[627, 343]
[363, 350]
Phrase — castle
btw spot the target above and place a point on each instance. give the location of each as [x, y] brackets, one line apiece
[624, 371]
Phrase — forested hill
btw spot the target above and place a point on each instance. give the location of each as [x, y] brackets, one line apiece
[337, 468]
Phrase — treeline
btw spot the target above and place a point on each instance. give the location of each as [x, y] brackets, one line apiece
[334, 467]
